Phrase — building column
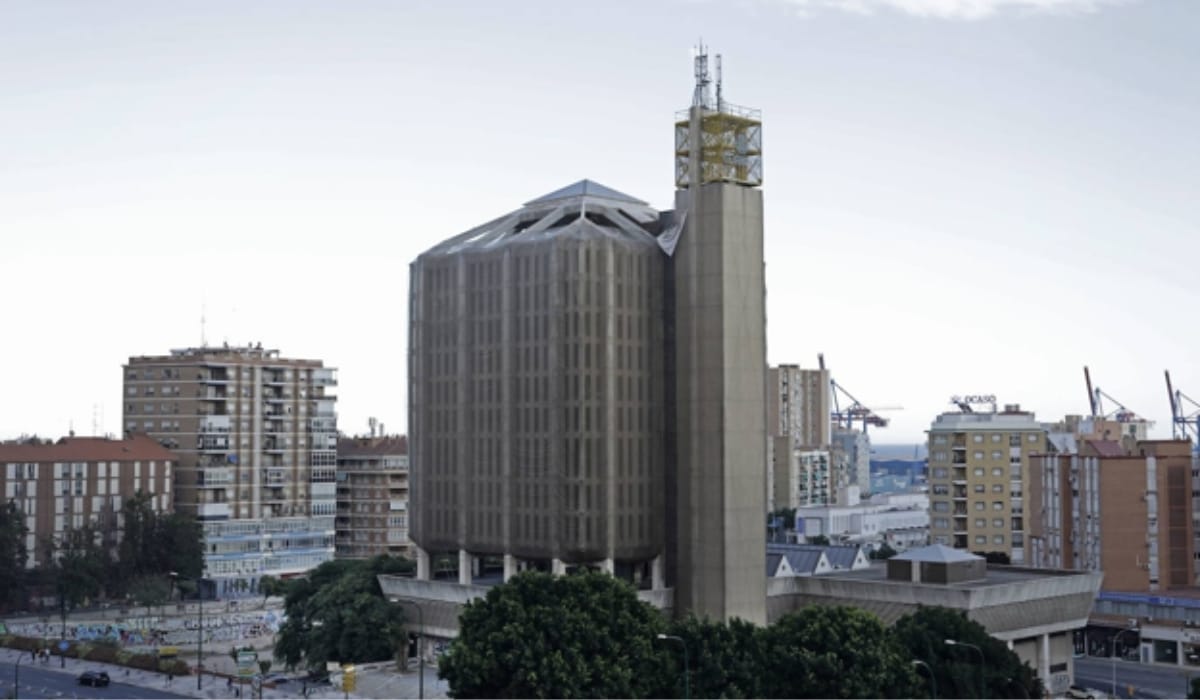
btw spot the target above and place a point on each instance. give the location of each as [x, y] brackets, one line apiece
[656, 574]
[422, 564]
[1010, 644]
[464, 568]
[607, 566]
[477, 566]
[510, 567]
[558, 567]
[1044, 659]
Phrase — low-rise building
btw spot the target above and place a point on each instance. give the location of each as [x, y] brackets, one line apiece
[1038, 612]
[82, 481]
[901, 520]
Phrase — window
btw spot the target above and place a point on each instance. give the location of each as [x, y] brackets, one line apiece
[980, 522]
[978, 471]
[997, 454]
[941, 507]
[978, 454]
[998, 539]
[997, 505]
[979, 488]
[997, 471]
[996, 437]
[980, 505]
[980, 539]
[997, 488]
[998, 523]
[939, 439]
[1032, 438]
[977, 437]
[941, 523]
[940, 473]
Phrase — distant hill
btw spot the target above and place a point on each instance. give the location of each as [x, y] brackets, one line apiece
[883, 453]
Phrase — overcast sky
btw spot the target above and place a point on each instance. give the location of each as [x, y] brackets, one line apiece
[962, 196]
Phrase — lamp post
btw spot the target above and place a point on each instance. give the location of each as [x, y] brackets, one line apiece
[932, 680]
[687, 689]
[199, 631]
[17, 677]
[1116, 638]
[200, 634]
[953, 643]
[420, 646]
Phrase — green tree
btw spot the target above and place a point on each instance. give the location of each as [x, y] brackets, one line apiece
[269, 586]
[923, 635]
[180, 545]
[885, 551]
[13, 555]
[835, 652]
[725, 660]
[338, 613]
[150, 590]
[538, 636]
[818, 539]
[137, 551]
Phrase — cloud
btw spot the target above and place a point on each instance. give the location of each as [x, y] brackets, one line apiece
[957, 9]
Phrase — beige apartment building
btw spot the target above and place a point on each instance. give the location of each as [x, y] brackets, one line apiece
[256, 436]
[372, 497]
[798, 423]
[81, 481]
[1124, 510]
[978, 469]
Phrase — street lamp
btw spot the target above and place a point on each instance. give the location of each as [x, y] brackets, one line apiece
[687, 689]
[932, 680]
[1114, 657]
[420, 650]
[17, 677]
[199, 630]
[953, 643]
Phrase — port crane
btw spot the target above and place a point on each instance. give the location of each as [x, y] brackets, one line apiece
[1185, 414]
[855, 410]
[1096, 403]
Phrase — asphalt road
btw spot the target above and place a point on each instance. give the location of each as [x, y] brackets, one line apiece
[45, 682]
[1147, 681]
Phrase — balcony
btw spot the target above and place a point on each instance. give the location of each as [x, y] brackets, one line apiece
[212, 394]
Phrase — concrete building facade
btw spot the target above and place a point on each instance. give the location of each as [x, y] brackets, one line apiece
[978, 472]
[82, 481]
[1124, 511]
[1037, 612]
[256, 436]
[372, 497]
[587, 384]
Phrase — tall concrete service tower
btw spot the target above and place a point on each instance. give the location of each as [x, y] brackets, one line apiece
[720, 358]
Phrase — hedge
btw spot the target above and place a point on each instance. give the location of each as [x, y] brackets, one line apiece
[102, 651]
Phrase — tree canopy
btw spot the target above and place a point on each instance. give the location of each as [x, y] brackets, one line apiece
[13, 553]
[338, 613]
[835, 652]
[958, 668]
[585, 635]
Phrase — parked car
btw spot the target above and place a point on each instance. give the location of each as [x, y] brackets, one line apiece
[96, 679]
[1080, 693]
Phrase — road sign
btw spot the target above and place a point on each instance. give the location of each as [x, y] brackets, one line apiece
[245, 663]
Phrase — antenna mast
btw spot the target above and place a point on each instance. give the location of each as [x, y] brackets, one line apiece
[701, 97]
